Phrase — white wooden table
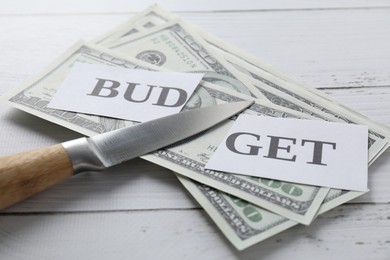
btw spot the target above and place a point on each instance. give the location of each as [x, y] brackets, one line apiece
[141, 211]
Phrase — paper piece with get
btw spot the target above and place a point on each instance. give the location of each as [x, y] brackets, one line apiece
[311, 152]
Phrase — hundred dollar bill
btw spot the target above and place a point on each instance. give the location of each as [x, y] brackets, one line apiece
[298, 202]
[175, 47]
[243, 223]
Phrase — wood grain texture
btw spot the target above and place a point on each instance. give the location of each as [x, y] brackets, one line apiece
[25, 174]
[139, 210]
[125, 6]
[349, 232]
[322, 48]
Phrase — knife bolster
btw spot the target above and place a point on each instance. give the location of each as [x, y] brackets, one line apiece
[83, 156]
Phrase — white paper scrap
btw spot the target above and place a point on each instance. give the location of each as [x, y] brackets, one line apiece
[311, 152]
[136, 95]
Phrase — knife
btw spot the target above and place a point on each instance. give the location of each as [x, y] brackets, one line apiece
[27, 173]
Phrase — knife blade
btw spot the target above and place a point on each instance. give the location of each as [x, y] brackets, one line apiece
[24, 174]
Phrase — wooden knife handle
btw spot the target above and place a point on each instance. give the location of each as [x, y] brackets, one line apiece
[27, 173]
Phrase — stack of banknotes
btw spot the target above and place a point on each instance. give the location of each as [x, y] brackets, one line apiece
[246, 209]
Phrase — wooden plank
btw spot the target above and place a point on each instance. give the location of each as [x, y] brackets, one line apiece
[373, 102]
[326, 49]
[378, 181]
[329, 49]
[121, 6]
[360, 231]
[31, 42]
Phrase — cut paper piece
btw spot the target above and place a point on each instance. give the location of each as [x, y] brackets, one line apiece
[311, 152]
[136, 95]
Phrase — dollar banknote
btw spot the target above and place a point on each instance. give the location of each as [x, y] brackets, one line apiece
[243, 223]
